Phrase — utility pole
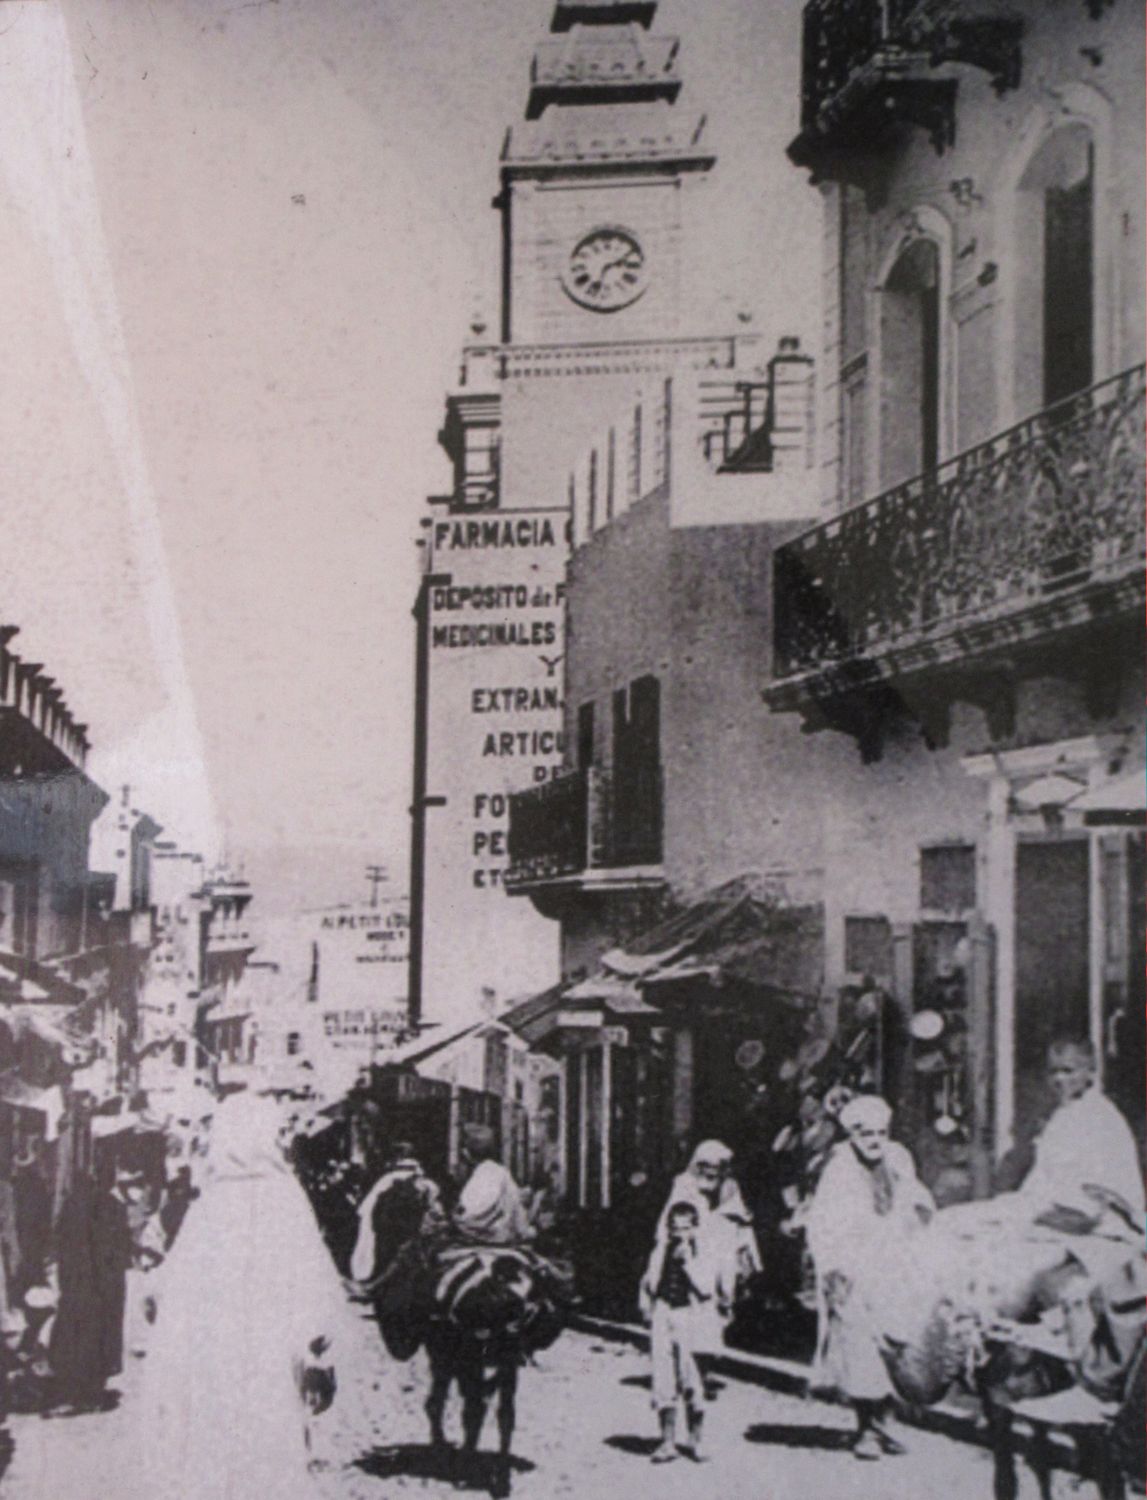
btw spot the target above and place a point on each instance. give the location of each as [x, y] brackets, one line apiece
[377, 875]
[421, 800]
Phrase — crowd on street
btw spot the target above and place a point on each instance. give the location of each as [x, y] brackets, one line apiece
[225, 1278]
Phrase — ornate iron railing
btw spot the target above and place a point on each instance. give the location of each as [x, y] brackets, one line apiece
[838, 38]
[549, 829]
[841, 38]
[1052, 504]
[584, 820]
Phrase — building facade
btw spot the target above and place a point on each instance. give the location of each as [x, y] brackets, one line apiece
[655, 839]
[915, 719]
[597, 194]
[968, 613]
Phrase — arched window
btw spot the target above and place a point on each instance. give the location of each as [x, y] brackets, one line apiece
[1055, 296]
[910, 364]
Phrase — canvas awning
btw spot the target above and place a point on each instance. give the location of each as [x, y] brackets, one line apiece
[24, 980]
[1121, 799]
[575, 1009]
[740, 932]
[612, 993]
[737, 934]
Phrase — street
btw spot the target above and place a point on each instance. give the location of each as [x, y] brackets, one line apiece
[584, 1429]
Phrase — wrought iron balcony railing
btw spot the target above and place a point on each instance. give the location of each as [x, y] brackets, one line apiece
[876, 56]
[1049, 508]
[583, 821]
[549, 830]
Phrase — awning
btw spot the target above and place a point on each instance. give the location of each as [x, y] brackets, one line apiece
[17, 1093]
[63, 1033]
[421, 1048]
[105, 1125]
[614, 994]
[575, 1008]
[637, 965]
[1121, 799]
[740, 932]
[737, 934]
[23, 979]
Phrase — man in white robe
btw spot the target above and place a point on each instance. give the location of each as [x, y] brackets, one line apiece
[1085, 1144]
[868, 1206]
[490, 1209]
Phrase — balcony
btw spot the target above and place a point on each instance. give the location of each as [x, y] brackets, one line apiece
[1029, 541]
[867, 69]
[586, 831]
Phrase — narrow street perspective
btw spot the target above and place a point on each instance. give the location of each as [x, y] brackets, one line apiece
[573, 750]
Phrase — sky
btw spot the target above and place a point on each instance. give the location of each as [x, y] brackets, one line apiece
[249, 240]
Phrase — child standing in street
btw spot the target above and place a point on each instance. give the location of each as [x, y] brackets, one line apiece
[676, 1292]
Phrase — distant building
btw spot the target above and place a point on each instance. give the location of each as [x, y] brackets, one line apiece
[199, 1002]
[122, 934]
[338, 998]
[173, 987]
[226, 1040]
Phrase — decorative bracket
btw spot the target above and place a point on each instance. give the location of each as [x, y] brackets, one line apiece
[988, 42]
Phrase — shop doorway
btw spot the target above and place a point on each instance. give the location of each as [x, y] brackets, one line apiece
[1052, 965]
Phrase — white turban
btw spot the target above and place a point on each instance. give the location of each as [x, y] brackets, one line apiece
[866, 1109]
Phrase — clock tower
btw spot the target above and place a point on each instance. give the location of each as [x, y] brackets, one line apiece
[594, 179]
[595, 184]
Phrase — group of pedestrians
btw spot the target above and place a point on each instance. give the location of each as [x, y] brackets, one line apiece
[253, 1314]
[881, 1251]
[885, 1258]
[78, 1282]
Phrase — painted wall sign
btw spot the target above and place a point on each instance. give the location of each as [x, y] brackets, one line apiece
[496, 613]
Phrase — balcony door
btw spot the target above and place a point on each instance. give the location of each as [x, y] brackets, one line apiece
[910, 365]
[1052, 945]
[635, 835]
[1055, 290]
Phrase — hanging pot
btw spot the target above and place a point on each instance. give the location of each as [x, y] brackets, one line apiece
[927, 1025]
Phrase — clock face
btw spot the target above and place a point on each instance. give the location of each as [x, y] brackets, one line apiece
[606, 270]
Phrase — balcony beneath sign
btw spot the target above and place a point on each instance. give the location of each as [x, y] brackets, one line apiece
[586, 831]
[1007, 554]
[868, 68]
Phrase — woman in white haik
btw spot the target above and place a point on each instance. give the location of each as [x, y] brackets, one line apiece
[249, 1288]
[725, 1235]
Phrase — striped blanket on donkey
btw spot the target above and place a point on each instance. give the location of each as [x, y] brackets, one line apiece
[480, 1311]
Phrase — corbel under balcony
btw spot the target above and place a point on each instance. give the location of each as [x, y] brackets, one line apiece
[869, 70]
